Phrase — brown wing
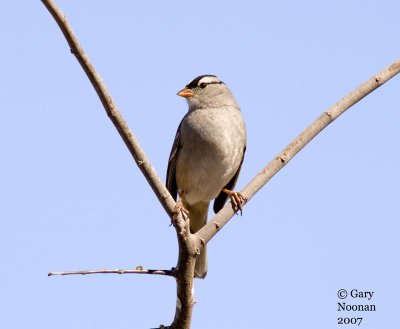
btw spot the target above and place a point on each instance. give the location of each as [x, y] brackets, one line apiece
[221, 198]
[171, 177]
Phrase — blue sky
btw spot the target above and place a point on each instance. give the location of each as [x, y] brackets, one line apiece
[72, 197]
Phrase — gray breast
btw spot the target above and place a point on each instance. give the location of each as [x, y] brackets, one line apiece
[211, 152]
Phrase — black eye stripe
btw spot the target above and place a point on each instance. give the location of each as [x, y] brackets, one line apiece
[205, 84]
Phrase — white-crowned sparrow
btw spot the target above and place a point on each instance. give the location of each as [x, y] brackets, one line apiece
[207, 154]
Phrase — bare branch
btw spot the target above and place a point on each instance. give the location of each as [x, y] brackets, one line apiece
[112, 111]
[187, 247]
[220, 219]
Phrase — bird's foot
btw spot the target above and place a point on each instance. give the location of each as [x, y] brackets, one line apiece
[180, 209]
[237, 200]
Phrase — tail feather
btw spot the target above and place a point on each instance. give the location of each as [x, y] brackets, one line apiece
[198, 218]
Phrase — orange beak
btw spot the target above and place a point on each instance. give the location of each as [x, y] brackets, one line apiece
[185, 92]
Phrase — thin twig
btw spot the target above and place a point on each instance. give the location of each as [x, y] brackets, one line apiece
[138, 270]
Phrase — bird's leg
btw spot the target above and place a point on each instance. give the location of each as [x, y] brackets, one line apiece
[184, 228]
[179, 208]
[237, 200]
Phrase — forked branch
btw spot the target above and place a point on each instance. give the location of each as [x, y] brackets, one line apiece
[191, 244]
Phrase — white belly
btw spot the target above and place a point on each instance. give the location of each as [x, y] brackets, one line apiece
[204, 168]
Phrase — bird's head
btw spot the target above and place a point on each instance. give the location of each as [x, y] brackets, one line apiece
[207, 91]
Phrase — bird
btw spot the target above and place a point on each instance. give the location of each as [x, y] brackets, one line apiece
[207, 154]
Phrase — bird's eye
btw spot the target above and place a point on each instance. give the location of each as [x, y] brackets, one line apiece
[203, 85]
